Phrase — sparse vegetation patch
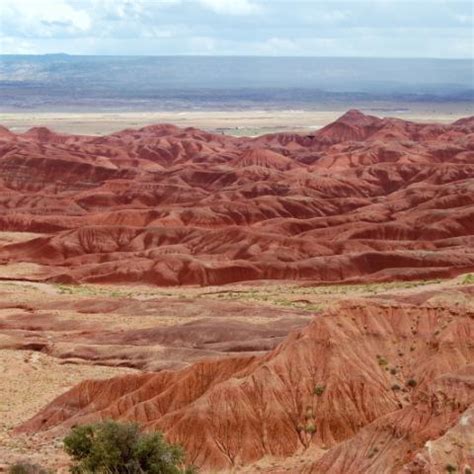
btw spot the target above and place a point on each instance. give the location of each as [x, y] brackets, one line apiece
[319, 389]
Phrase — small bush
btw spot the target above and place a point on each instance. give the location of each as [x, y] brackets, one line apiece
[382, 361]
[396, 387]
[411, 383]
[26, 468]
[450, 468]
[393, 371]
[468, 279]
[120, 448]
[310, 428]
[319, 389]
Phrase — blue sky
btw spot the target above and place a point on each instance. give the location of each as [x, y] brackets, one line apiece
[377, 28]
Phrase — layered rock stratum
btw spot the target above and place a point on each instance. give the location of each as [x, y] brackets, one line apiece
[363, 199]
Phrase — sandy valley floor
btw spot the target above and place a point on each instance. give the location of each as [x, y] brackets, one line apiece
[242, 122]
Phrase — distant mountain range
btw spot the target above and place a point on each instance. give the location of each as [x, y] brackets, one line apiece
[60, 81]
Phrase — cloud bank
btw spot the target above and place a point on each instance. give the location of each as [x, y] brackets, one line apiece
[371, 28]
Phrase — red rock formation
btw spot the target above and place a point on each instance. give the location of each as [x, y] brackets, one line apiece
[367, 384]
[362, 199]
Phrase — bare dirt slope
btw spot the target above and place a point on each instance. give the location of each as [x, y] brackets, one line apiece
[54, 336]
[375, 384]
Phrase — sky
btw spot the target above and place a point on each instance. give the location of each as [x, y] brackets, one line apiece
[354, 28]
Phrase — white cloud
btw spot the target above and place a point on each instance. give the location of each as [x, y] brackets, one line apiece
[464, 19]
[287, 27]
[61, 19]
[334, 16]
[11, 45]
[202, 45]
[325, 16]
[278, 47]
[232, 7]
[45, 18]
[128, 10]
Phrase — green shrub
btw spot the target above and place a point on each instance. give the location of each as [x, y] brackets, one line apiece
[120, 448]
[468, 279]
[411, 383]
[319, 389]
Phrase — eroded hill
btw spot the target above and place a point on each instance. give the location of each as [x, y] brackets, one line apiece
[361, 199]
[371, 385]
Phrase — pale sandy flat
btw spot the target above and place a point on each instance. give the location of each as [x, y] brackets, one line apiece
[28, 381]
[232, 122]
[16, 237]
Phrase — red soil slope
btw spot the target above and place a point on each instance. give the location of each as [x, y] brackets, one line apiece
[365, 388]
[361, 199]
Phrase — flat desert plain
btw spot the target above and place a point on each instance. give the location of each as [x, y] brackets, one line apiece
[231, 122]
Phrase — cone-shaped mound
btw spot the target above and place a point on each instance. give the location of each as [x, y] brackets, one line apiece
[264, 158]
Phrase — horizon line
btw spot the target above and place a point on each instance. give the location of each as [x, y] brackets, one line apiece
[187, 55]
